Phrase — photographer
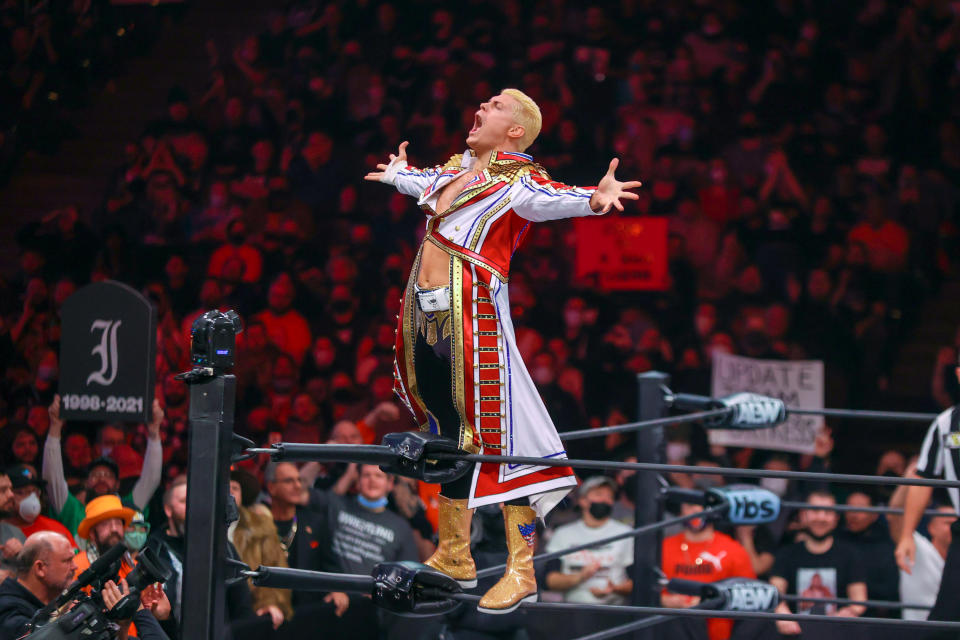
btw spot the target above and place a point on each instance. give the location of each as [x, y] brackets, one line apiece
[45, 568]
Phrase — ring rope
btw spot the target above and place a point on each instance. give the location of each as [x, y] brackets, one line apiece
[875, 604]
[703, 613]
[845, 508]
[628, 427]
[653, 527]
[679, 468]
[646, 623]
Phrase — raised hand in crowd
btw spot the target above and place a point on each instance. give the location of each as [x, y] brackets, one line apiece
[276, 616]
[56, 424]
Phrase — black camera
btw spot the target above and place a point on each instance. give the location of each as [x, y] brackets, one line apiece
[213, 340]
[88, 619]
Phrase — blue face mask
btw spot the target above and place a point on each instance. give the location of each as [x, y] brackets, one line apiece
[372, 504]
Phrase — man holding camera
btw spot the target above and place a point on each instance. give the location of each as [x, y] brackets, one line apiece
[45, 568]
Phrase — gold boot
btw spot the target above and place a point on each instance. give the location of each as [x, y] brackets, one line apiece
[518, 583]
[452, 556]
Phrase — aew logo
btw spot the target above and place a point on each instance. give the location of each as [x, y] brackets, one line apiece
[528, 532]
[107, 350]
[748, 595]
[751, 410]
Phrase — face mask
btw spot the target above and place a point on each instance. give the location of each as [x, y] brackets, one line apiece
[601, 510]
[372, 504]
[135, 539]
[30, 508]
[105, 451]
[775, 485]
[696, 525]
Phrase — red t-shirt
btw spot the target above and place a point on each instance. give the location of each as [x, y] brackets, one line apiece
[717, 559]
[43, 523]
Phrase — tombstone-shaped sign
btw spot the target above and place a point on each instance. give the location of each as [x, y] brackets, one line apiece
[107, 347]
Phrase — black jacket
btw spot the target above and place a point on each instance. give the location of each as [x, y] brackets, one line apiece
[311, 549]
[17, 606]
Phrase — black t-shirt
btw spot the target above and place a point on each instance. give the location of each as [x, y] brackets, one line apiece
[361, 538]
[825, 575]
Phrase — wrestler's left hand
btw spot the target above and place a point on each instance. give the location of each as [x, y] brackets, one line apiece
[610, 191]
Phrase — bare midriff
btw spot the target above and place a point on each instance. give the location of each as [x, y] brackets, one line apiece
[434, 261]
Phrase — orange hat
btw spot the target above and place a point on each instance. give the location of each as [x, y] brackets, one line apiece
[104, 508]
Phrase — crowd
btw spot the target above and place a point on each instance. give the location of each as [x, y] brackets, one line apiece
[54, 56]
[804, 153]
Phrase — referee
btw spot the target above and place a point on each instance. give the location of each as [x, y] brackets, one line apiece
[939, 458]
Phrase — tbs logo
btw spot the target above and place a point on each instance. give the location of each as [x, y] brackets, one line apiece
[750, 504]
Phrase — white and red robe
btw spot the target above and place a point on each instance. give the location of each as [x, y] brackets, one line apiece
[500, 411]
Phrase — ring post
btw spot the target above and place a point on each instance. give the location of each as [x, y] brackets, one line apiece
[648, 509]
[211, 429]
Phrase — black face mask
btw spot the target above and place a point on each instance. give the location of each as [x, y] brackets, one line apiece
[601, 510]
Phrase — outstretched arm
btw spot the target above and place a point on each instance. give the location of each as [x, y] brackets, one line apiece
[541, 199]
[408, 180]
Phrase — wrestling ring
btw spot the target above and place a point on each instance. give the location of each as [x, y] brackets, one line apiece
[414, 589]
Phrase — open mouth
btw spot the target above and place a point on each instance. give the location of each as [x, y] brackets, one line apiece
[477, 123]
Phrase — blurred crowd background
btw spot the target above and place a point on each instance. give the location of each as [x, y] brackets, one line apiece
[806, 155]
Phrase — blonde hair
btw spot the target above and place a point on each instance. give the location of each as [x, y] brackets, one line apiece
[527, 114]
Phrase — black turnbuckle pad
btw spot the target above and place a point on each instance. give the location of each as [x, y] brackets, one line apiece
[413, 588]
[413, 450]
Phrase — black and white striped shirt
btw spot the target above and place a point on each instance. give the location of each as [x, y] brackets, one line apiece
[940, 454]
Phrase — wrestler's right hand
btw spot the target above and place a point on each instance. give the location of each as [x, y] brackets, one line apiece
[388, 171]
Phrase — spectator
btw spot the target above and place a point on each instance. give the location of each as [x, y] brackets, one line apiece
[103, 476]
[363, 533]
[869, 533]
[821, 565]
[599, 575]
[175, 508]
[28, 497]
[11, 536]
[257, 542]
[305, 538]
[174, 538]
[702, 554]
[103, 528]
[45, 567]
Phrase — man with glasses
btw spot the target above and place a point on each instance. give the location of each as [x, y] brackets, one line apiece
[305, 538]
[103, 476]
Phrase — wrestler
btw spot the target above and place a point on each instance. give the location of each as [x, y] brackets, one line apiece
[457, 366]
